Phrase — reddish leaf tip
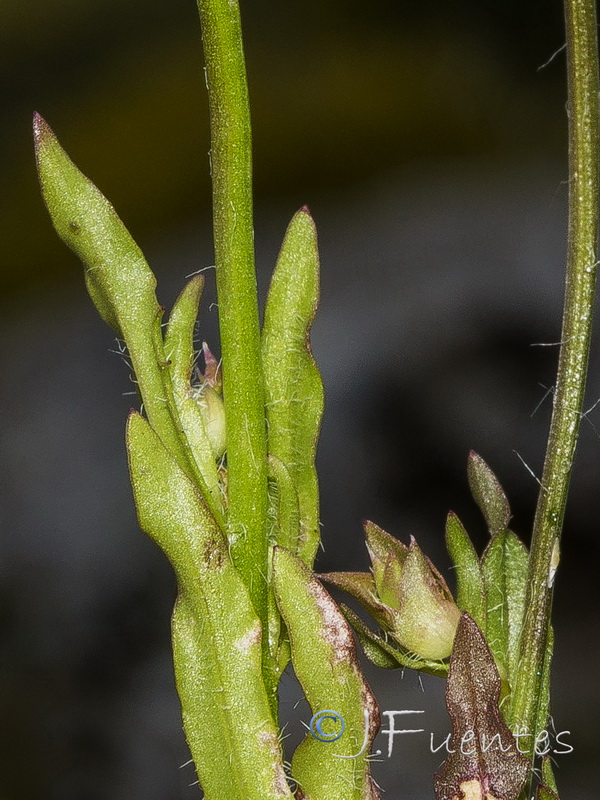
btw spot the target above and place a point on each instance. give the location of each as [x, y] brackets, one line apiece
[41, 129]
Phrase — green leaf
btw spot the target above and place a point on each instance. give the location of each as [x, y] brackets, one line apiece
[387, 558]
[544, 792]
[179, 351]
[484, 760]
[284, 515]
[379, 650]
[216, 632]
[120, 282]
[488, 494]
[548, 775]
[374, 647]
[362, 587]
[470, 591]
[324, 658]
[504, 565]
[293, 387]
[285, 509]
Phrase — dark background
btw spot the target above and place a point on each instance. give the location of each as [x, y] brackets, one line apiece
[431, 149]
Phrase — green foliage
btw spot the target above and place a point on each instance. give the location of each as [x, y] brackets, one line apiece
[504, 566]
[228, 654]
[216, 632]
[224, 480]
[408, 598]
[120, 283]
[470, 589]
[488, 494]
[548, 775]
[325, 663]
[293, 387]
[179, 352]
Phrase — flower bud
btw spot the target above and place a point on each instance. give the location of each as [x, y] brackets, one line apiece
[406, 595]
[427, 616]
[208, 397]
[213, 414]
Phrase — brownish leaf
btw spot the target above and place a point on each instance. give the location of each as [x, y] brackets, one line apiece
[544, 793]
[485, 763]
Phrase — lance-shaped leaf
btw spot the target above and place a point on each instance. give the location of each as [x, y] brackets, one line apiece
[488, 494]
[179, 351]
[216, 633]
[470, 591]
[324, 658]
[504, 566]
[119, 280]
[547, 789]
[485, 764]
[293, 387]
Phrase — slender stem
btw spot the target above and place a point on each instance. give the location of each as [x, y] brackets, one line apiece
[583, 88]
[231, 163]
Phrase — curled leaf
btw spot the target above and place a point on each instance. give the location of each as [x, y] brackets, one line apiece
[284, 516]
[485, 763]
[284, 506]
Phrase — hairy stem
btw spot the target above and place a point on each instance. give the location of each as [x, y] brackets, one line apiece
[583, 87]
[231, 165]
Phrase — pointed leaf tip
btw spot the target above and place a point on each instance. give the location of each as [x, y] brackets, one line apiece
[485, 760]
[40, 126]
[470, 588]
[488, 494]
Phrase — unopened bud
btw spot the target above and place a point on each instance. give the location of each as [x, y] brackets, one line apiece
[406, 595]
[213, 414]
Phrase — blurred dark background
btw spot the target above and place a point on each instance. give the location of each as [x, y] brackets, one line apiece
[430, 143]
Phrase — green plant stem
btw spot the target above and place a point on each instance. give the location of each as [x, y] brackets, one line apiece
[231, 166]
[583, 88]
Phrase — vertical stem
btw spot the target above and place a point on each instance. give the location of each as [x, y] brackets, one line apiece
[231, 161]
[583, 88]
